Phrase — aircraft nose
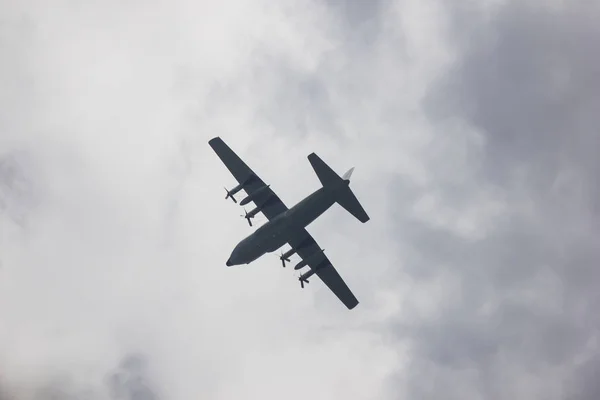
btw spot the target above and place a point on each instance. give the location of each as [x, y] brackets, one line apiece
[234, 258]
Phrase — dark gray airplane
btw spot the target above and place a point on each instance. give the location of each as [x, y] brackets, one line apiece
[288, 225]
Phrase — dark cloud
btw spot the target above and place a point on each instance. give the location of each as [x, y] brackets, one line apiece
[529, 82]
[518, 308]
[17, 190]
[584, 382]
[130, 380]
[361, 21]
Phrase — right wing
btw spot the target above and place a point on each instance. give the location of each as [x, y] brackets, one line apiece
[267, 201]
[306, 247]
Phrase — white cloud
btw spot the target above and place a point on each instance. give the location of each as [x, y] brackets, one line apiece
[125, 252]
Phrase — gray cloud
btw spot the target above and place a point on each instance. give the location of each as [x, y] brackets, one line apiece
[528, 83]
[17, 196]
[128, 381]
[516, 314]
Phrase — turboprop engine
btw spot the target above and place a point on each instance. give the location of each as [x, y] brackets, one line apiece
[253, 195]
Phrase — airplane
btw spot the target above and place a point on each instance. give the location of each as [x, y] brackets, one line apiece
[288, 225]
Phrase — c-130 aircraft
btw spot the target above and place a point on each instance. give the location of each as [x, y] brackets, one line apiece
[288, 225]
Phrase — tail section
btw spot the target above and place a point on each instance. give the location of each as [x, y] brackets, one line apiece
[344, 195]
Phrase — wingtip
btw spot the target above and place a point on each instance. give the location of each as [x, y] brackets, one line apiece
[215, 139]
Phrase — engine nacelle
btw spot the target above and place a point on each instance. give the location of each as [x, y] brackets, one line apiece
[231, 192]
[306, 261]
[251, 214]
[301, 264]
[307, 275]
[286, 256]
[252, 196]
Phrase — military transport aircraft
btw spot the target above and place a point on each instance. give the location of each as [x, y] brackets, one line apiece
[288, 225]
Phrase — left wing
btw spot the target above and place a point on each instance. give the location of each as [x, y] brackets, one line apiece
[311, 253]
[263, 196]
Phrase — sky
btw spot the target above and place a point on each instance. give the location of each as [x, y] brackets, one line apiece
[473, 127]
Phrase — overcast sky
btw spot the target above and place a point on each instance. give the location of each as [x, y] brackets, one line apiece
[473, 127]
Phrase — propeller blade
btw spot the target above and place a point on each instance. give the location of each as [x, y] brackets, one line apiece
[302, 281]
[246, 216]
[283, 259]
[229, 195]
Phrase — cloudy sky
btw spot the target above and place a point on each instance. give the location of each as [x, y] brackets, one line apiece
[473, 127]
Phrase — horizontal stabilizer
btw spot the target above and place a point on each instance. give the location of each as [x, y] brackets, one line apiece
[344, 196]
[326, 175]
[348, 200]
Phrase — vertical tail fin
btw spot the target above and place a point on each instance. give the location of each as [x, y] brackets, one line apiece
[344, 195]
[348, 174]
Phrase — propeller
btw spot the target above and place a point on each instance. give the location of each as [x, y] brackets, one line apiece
[302, 281]
[229, 195]
[247, 216]
[283, 259]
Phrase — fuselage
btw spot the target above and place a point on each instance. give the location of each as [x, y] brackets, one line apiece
[277, 232]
